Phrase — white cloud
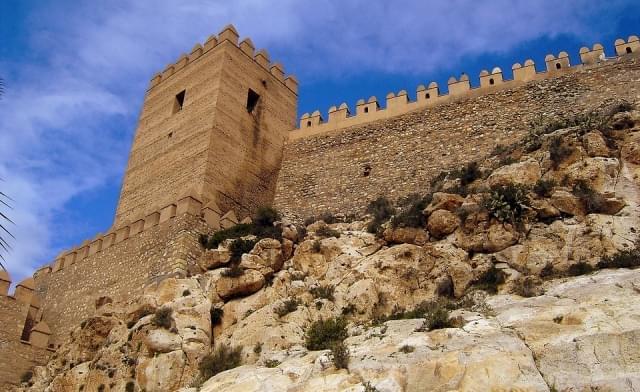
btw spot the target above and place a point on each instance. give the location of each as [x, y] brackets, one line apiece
[91, 62]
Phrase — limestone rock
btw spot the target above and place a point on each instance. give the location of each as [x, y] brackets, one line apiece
[214, 258]
[599, 173]
[444, 201]
[567, 203]
[270, 251]
[406, 235]
[595, 145]
[442, 223]
[522, 173]
[247, 283]
[545, 209]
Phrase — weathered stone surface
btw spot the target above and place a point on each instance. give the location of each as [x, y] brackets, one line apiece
[599, 173]
[595, 144]
[442, 223]
[567, 203]
[247, 283]
[522, 173]
[444, 201]
[214, 258]
[406, 235]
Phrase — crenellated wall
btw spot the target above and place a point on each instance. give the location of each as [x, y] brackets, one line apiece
[341, 117]
[120, 263]
[343, 164]
[24, 337]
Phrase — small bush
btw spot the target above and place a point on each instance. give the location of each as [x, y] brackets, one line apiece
[327, 217]
[288, 306]
[381, 209]
[309, 220]
[236, 231]
[579, 268]
[322, 334]
[271, 363]
[507, 202]
[26, 377]
[130, 387]
[234, 271]
[223, 358]
[468, 174]
[435, 313]
[340, 355]
[411, 214]
[240, 247]
[543, 188]
[216, 315]
[592, 201]
[559, 151]
[326, 231]
[508, 160]
[316, 246]
[628, 258]
[369, 388]
[257, 349]
[406, 349]
[528, 287]
[266, 217]
[162, 318]
[325, 292]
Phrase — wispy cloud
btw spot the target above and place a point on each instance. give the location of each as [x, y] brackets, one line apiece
[70, 110]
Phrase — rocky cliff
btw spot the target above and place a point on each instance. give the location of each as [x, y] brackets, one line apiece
[512, 273]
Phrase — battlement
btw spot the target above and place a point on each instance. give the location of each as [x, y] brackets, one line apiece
[228, 34]
[189, 204]
[458, 88]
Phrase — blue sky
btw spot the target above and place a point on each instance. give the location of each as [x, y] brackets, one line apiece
[76, 71]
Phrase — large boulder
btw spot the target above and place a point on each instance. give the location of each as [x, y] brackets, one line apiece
[235, 286]
[600, 174]
[441, 223]
[406, 235]
[595, 145]
[522, 173]
[214, 258]
[444, 201]
[567, 203]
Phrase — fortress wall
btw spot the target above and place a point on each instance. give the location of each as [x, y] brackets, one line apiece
[120, 263]
[458, 88]
[17, 356]
[326, 171]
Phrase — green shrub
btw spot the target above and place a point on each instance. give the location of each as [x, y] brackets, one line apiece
[381, 209]
[528, 287]
[223, 358]
[468, 173]
[328, 217]
[271, 363]
[234, 271]
[322, 334]
[579, 268]
[543, 188]
[592, 201]
[239, 247]
[163, 317]
[340, 355]
[507, 202]
[508, 160]
[266, 217]
[325, 292]
[559, 151]
[627, 258]
[369, 388]
[257, 349]
[411, 213]
[435, 313]
[288, 306]
[326, 231]
[237, 231]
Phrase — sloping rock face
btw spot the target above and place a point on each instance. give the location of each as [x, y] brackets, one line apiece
[581, 335]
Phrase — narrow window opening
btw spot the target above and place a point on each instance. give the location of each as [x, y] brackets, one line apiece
[179, 101]
[252, 100]
[558, 66]
[492, 82]
[366, 110]
[308, 124]
[428, 96]
[170, 135]
[367, 171]
[629, 50]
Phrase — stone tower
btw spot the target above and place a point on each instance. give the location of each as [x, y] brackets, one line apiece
[212, 124]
